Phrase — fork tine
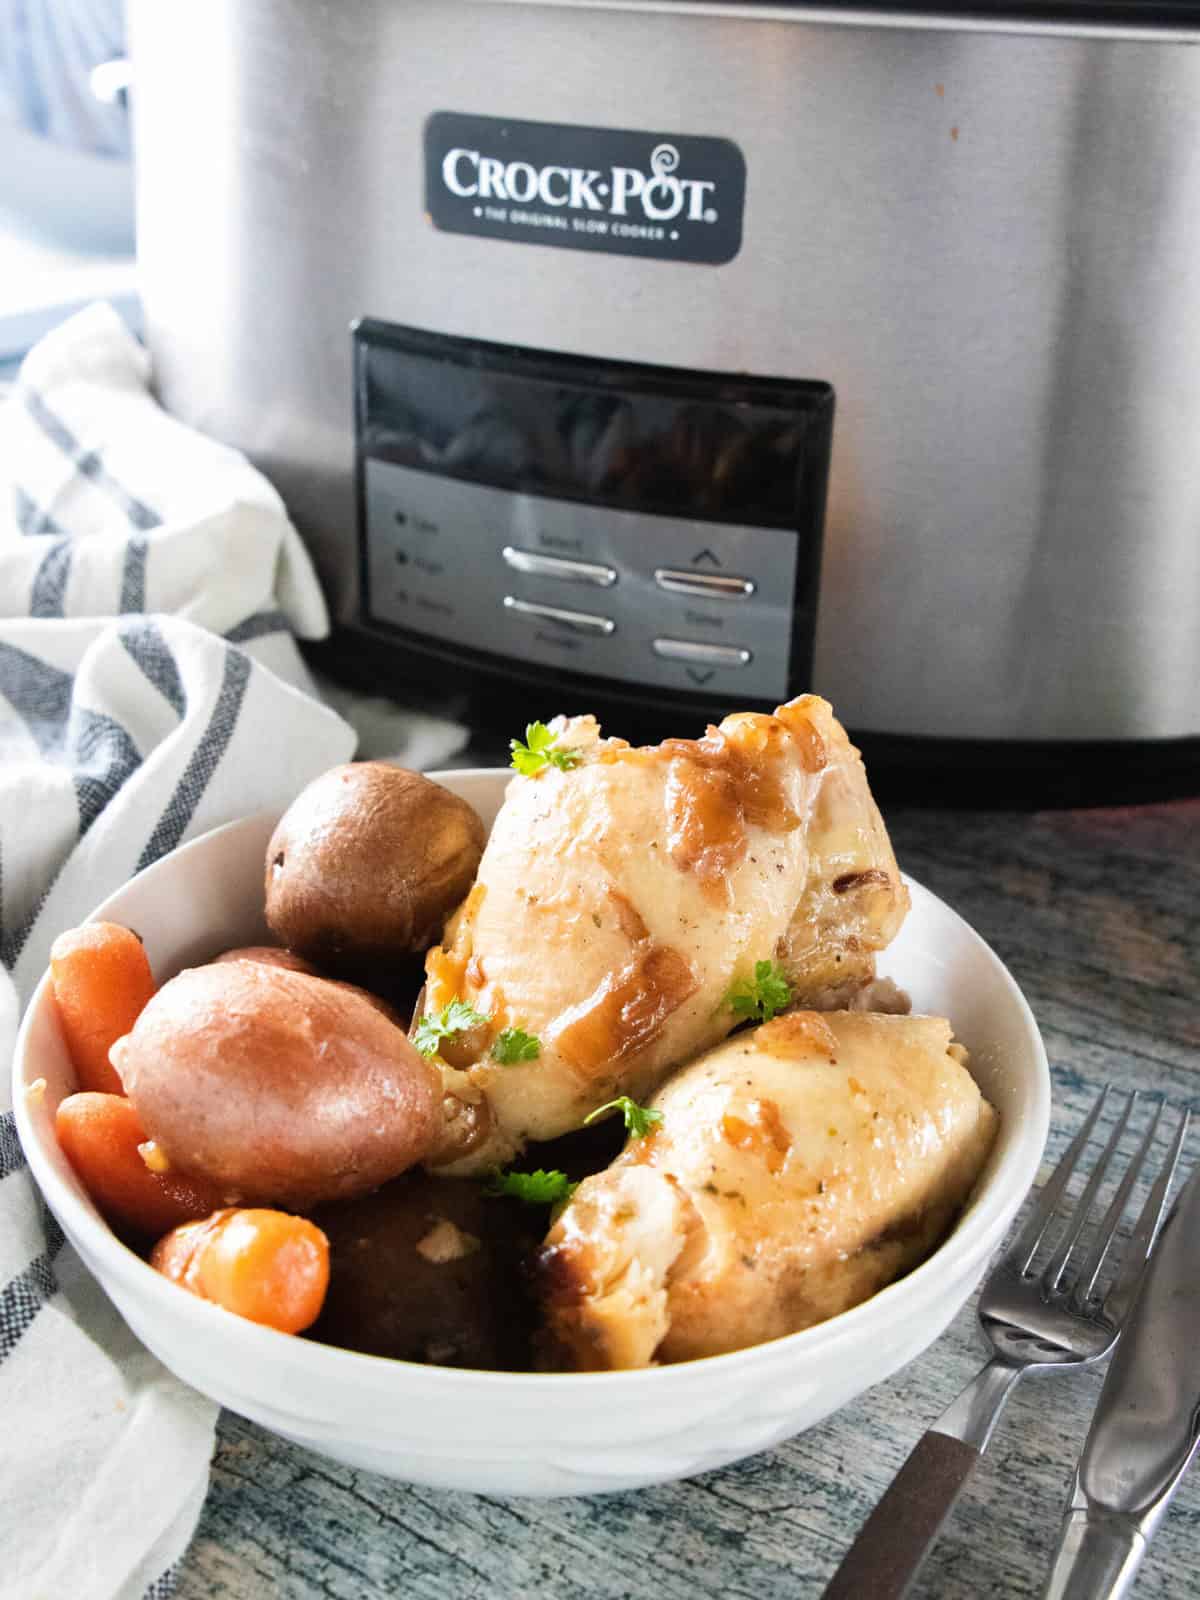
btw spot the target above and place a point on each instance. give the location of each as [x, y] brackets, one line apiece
[1024, 1247]
[1085, 1282]
[1141, 1241]
[1057, 1264]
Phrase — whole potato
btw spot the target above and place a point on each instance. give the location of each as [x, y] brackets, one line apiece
[366, 864]
[283, 1089]
[429, 1269]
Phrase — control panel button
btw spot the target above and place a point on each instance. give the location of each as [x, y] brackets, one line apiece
[576, 621]
[536, 565]
[695, 654]
[414, 584]
[710, 585]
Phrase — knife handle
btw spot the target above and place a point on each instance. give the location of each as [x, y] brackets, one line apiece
[893, 1542]
[1097, 1556]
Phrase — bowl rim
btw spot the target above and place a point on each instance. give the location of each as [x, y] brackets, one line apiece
[974, 1236]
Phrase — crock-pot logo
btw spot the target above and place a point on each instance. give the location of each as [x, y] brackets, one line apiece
[658, 195]
[585, 188]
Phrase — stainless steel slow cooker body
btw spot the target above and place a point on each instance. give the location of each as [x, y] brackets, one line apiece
[984, 235]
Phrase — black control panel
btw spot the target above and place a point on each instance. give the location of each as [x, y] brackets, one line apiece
[639, 535]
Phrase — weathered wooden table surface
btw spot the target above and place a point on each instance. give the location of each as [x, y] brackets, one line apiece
[1096, 914]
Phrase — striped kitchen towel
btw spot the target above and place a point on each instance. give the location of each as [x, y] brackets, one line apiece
[151, 588]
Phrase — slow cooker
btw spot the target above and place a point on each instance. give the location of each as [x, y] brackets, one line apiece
[662, 358]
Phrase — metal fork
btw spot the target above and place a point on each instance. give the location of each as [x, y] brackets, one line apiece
[1034, 1321]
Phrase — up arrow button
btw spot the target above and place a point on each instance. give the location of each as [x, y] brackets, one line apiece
[705, 555]
[705, 585]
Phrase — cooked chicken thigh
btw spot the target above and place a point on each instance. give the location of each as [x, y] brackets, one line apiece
[796, 1169]
[618, 900]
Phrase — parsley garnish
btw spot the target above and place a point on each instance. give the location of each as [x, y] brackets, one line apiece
[457, 1017]
[540, 750]
[761, 997]
[513, 1045]
[534, 1188]
[638, 1119]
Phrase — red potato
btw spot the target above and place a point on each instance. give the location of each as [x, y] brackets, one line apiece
[101, 979]
[282, 1089]
[100, 1135]
[263, 1265]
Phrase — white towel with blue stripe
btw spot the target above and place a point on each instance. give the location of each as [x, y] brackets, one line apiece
[151, 592]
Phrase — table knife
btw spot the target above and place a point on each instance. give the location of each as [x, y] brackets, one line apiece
[1146, 1428]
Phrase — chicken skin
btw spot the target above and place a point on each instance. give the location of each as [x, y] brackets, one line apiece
[796, 1169]
[622, 895]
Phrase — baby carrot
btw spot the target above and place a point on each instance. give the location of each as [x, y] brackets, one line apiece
[100, 1136]
[101, 979]
[267, 1266]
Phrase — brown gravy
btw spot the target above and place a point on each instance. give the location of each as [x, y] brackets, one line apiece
[626, 1011]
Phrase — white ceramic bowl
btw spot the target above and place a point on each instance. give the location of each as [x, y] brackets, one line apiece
[521, 1433]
